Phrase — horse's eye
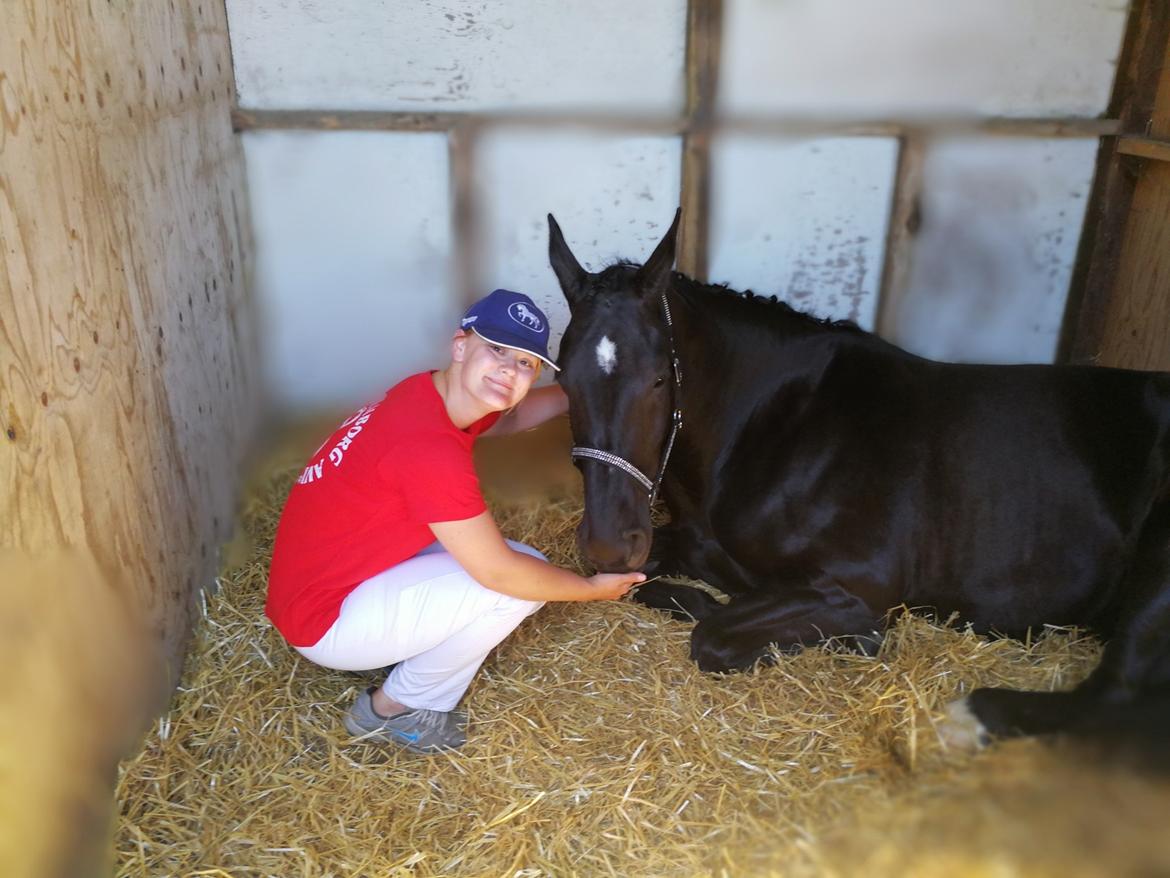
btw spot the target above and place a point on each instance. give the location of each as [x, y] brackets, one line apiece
[659, 381]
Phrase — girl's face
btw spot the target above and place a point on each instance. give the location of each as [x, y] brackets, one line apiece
[497, 376]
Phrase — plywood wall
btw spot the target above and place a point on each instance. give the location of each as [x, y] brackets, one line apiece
[126, 334]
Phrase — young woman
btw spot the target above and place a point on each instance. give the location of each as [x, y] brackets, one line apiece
[386, 553]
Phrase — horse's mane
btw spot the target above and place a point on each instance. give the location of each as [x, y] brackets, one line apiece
[753, 306]
[759, 307]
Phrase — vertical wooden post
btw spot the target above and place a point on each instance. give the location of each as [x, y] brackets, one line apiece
[466, 227]
[1098, 256]
[1136, 327]
[905, 217]
[704, 38]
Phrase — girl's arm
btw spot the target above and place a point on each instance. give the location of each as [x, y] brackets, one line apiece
[479, 548]
[537, 407]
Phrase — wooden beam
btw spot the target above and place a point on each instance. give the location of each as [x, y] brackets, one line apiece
[341, 120]
[1158, 126]
[1145, 148]
[697, 115]
[704, 39]
[1007, 127]
[467, 240]
[983, 126]
[1135, 93]
[391, 120]
[905, 218]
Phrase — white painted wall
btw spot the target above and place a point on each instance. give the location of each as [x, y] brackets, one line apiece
[1001, 219]
[886, 57]
[353, 239]
[613, 196]
[353, 248]
[805, 220]
[429, 55]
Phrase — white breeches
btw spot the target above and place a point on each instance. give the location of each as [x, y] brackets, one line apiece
[428, 615]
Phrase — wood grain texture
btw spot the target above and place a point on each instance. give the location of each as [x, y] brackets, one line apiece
[127, 387]
[704, 42]
[905, 218]
[466, 221]
[1159, 125]
[71, 705]
[1145, 148]
[699, 52]
[1141, 101]
[1137, 326]
[1134, 316]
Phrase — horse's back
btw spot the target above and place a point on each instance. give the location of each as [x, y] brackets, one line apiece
[1009, 494]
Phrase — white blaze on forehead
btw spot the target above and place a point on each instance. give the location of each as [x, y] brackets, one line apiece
[606, 354]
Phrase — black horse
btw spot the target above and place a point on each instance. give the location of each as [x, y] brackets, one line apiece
[823, 476]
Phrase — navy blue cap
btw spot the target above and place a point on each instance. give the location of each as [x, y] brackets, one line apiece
[511, 320]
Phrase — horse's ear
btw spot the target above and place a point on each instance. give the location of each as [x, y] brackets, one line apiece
[568, 271]
[654, 276]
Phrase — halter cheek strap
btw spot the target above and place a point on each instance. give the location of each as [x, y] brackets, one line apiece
[675, 425]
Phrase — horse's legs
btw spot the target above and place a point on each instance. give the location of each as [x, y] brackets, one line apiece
[683, 602]
[685, 551]
[735, 636]
[1136, 660]
[667, 551]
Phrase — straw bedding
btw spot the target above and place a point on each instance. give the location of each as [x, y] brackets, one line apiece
[597, 748]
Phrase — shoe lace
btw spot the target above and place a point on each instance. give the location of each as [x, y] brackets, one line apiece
[432, 720]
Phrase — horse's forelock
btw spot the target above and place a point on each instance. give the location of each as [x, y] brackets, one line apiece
[617, 276]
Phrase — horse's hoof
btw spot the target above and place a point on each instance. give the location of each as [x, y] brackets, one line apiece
[961, 730]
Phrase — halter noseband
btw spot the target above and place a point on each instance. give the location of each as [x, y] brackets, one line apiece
[675, 424]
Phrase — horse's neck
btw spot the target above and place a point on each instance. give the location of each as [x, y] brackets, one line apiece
[726, 355]
[735, 360]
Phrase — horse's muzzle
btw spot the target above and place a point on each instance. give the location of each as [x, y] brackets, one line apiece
[617, 552]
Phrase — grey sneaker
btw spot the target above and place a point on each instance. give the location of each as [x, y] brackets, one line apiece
[421, 730]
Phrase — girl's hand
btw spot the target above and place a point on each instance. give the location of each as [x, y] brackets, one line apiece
[611, 586]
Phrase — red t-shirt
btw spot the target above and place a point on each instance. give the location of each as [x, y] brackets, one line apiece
[364, 501]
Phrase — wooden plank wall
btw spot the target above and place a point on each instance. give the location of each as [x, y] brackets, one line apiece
[127, 385]
[1119, 301]
[1136, 332]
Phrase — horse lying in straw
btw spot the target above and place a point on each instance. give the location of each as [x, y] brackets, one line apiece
[824, 476]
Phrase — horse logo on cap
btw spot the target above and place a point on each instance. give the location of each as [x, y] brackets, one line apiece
[523, 315]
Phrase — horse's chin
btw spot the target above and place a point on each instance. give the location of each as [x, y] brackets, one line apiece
[614, 547]
[613, 563]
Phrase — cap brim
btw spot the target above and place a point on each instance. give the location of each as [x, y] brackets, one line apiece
[504, 340]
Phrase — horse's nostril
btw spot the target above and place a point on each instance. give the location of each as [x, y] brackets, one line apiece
[637, 546]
